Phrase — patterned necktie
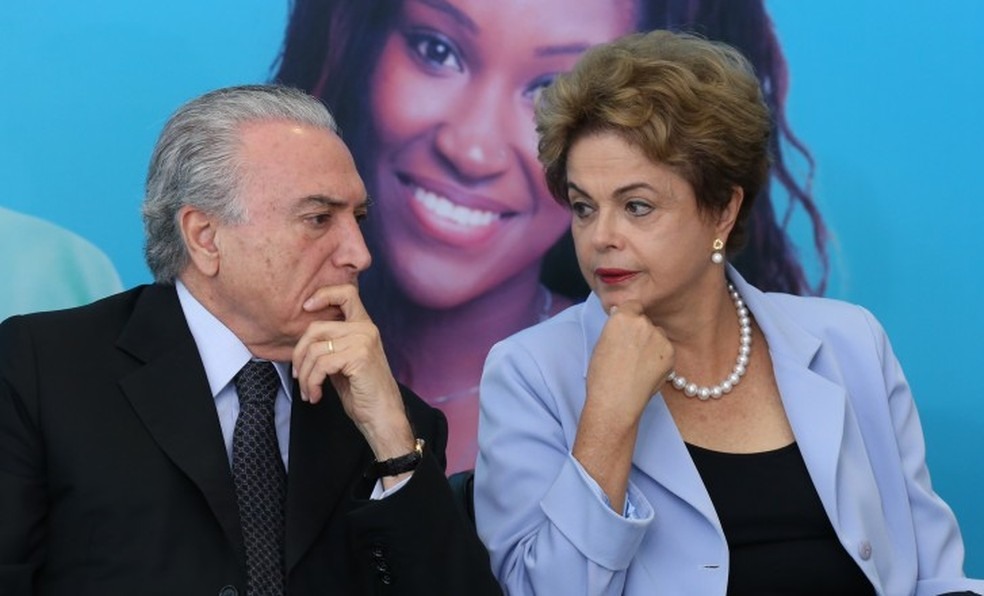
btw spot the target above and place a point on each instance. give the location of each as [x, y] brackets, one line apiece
[261, 483]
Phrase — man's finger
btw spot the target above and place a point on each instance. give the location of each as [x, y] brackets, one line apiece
[344, 296]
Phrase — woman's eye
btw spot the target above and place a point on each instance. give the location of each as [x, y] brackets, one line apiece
[534, 89]
[435, 50]
[638, 208]
[580, 209]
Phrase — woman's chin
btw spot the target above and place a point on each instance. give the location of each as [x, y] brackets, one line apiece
[455, 288]
[610, 301]
[437, 293]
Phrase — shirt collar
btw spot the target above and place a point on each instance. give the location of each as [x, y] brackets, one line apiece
[222, 353]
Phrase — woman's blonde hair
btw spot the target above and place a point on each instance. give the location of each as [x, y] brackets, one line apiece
[692, 104]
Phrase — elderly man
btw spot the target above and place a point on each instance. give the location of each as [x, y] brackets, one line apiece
[233, 428]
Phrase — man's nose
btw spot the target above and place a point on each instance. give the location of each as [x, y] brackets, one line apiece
[351, 251]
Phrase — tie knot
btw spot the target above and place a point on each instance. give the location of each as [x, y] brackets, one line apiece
[257, 382]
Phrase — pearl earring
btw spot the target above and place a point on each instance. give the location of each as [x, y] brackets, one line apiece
[717, 257]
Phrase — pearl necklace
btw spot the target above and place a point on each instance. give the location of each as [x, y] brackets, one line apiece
[691, 389]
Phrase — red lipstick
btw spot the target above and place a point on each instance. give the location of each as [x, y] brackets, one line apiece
[614, 276]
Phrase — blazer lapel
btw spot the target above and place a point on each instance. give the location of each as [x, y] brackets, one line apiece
[815, 406]
[826, 428]
[815, 410]
[662, 455]
[326, 453]
[170, 394]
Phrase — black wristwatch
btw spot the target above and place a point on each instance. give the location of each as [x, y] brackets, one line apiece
[399, 465]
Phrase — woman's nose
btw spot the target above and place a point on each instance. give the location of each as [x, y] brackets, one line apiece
[605, 234]
[474, 140]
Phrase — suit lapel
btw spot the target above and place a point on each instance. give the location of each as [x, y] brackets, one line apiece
[815, 406]
[815, 410]
[171, 396]
[326, 453]
[662, 455]
[827, 431]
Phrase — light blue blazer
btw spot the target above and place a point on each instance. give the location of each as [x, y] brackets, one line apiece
[548, 526]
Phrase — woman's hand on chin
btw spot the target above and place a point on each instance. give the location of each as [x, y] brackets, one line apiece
[630, 362]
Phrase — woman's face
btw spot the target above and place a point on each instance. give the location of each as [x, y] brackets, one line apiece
[638, 232]
[462, 204]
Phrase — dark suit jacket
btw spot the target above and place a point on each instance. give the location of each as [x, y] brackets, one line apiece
[114, 478]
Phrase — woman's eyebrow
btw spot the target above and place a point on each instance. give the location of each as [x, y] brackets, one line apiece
[453, 12]
[621, 190]
[573, 49]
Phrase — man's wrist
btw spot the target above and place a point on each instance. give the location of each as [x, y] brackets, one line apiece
[401, 464]
[389, 437]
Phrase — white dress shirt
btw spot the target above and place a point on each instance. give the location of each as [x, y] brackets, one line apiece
[223, 356]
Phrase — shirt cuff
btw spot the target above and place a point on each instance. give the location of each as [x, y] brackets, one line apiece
[378, 493]
[628, 509]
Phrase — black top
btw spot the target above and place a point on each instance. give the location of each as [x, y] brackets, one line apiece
[779, 536]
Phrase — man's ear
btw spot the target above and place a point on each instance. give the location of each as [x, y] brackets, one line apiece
[728, 216]
[198, 230]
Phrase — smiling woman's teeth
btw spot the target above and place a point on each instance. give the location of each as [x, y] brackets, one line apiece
[444, 208]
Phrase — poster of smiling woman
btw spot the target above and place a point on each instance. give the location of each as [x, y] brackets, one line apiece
[436, 99]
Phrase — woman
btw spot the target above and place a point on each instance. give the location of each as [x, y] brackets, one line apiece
[682, 432]
[436, 100]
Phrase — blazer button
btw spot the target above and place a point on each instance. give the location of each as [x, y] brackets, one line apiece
[229, 591]
[864, 550]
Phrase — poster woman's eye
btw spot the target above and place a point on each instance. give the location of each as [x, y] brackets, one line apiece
[434, 50]
[537, 86]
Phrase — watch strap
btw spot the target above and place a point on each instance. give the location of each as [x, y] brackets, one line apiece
[398, 465]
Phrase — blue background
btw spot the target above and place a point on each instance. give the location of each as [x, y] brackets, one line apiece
[886, 95]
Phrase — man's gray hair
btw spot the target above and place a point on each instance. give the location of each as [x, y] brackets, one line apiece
[195, 162]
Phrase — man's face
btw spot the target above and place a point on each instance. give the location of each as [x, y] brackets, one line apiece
[303, 200]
